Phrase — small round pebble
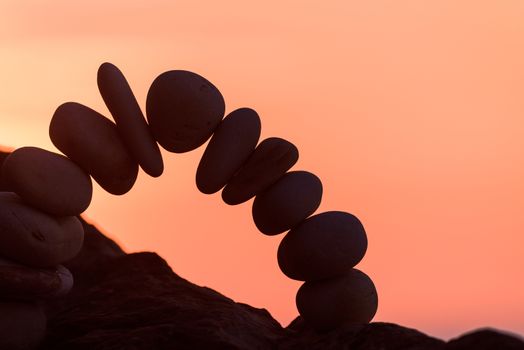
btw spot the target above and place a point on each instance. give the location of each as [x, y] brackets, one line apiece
[322, 246]
[130, 121]
[232, 143]
[22, 325]
[93, 142]
[270, 161]
[348, 299]
[48, 181]
[287, 202]
[22, 282]
[34, 238]
[183, 109]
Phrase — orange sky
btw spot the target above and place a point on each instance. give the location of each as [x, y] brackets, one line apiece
[411, 113]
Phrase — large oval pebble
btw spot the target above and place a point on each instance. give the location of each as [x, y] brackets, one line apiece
[23, 282]
[322, 246]
[130, 121]
[287, 202]
[92, 141]
[183, 109]
[48, 181]
[270, 161]
[35, 238]
[232, 143]
[348, 299]
[22, 325]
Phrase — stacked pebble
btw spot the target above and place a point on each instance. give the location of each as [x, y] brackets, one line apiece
[38, 224]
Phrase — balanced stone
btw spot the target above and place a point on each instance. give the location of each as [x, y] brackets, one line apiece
[48, 181]
[232, 143]
[23, 282]
[348, 299]
[35, 238]
[22, 325]
[183, 109]
[322, 246]
[92, 141]
[130, 121]
[287, 202]
[270, 161]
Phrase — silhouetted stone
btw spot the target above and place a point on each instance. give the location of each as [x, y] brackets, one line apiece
[35, 238]
[322, 246]
[232, 143]
[22, 325]
[486, 339]
[130, 121]
[183, 109]
[287, 202]
[48, 181]
[92, 141]
[270, 161]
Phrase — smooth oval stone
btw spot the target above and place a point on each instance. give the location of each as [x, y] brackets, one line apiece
[130, 121]
[22, 325]
[183, 109]
[92, 141]
[270, 161]
[232, 143]
[322, 246]
[287, 202]
[48, 181]
[348, 299]
[23, 282]
[35, 238]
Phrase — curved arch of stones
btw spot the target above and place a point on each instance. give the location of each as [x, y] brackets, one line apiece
[183, 111]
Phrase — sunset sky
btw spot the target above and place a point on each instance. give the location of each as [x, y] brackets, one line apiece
[410, 112]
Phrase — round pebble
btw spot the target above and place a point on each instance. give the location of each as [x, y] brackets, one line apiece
[232, 143]
[287, 202]
[130, 121]
[92, 141]
[322, 246]
[327, 304]
[270, 161]
[23, 282]
[22, 325]
[48, 181]
[183, 109]
[35, 238]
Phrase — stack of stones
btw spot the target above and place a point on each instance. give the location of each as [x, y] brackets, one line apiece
[38, 224]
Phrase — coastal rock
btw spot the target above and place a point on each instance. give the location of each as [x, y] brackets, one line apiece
[22, 325]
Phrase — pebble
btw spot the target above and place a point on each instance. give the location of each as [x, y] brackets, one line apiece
[22, 325]
[232, 143]
[348, 299]
[93, 142]
[323, 246]
[48, 181]
[130, 121]
[34, 238]
[183, 109]
[270, 161]
[28, 283]
[287, 202]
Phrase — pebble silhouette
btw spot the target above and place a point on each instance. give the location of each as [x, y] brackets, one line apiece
[39, 229]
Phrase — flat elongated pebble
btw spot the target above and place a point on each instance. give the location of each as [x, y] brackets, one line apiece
[29, 283]
[92, 141]
[48, 181]
[35, 238]
[322, 246]
[270, 161]
[183, 109]
[130, 121]
[232, 143]
[22, 325]
[287, 202]
[348, 299]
